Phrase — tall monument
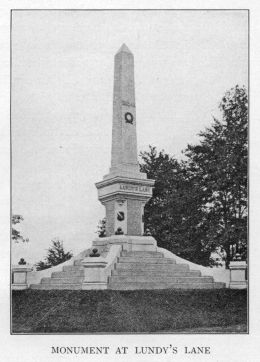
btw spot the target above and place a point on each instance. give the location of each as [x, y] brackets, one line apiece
[125, 190]
[125, 258]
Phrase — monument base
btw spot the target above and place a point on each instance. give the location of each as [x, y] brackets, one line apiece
[238, 285]
[19, 286]
[125, 262]
[128, 242]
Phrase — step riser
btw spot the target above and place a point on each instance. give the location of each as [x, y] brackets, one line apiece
[124, 259]
[50, 287]
[142, 254]
[134, 286]
[68, 274]
[152, 267]
[62, 280]
[154, 274]
[120, 279]
[68, 268]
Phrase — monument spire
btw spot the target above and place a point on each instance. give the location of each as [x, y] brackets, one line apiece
[124, 142]
[125, 190]
[124, 48]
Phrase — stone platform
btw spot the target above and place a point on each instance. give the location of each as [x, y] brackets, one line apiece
[130, 263]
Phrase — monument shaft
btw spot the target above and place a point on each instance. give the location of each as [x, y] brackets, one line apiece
[125, 190]
[124, 144]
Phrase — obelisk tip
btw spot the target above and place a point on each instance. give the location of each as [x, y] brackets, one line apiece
[124, 49]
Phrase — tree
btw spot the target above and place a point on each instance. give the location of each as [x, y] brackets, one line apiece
[174, 215]
[16, 235]
[199, 205]
[55, 255]
[219, 167]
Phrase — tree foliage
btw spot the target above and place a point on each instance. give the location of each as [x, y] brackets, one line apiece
[200, 205]
[174, 215]
[219, 166]
[55, 255]
[16, 235]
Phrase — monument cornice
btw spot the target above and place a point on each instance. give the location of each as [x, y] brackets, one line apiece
[123, 195]
[126, 180]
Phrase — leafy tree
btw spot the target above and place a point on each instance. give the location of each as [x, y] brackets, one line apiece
[174, 215]
[199, 205]
[16, 235]
[219, 167]
[55, 255]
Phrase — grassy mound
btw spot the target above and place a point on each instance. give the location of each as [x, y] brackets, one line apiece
[140, 311]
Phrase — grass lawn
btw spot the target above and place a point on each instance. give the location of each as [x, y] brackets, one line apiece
[139, 311]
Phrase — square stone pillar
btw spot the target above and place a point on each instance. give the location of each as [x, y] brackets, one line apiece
[94, 277]
[19, 276]
[238, 275]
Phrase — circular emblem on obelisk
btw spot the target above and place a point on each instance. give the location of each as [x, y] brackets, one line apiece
[129, 117]
[120, 216]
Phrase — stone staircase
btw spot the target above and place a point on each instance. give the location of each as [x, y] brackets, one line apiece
[151, 270]
[134, 270]
[71, 277]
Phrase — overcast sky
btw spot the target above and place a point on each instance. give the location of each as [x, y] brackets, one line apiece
[62, 82]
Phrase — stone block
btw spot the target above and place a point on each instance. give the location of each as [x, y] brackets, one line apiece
[94, 276]
[19, 276]
[238, 274]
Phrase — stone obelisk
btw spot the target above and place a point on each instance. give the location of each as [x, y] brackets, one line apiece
[125, 190]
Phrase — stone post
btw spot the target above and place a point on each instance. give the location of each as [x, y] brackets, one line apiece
[94, 276]
[238, 274]
[19, 276]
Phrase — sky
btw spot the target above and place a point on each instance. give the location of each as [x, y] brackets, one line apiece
[62, 84]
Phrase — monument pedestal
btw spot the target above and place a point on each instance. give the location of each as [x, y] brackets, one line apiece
[124, 199]
[129, 243]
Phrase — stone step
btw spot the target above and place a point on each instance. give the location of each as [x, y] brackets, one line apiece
[159, 279]
[125, 259]
[55, 286]
[155, 273]
[71, 280]
[68, 274]
[72, 267]
[77, 262]
[219, 285]
[140, 267]
[133, 286]
[142, 254]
